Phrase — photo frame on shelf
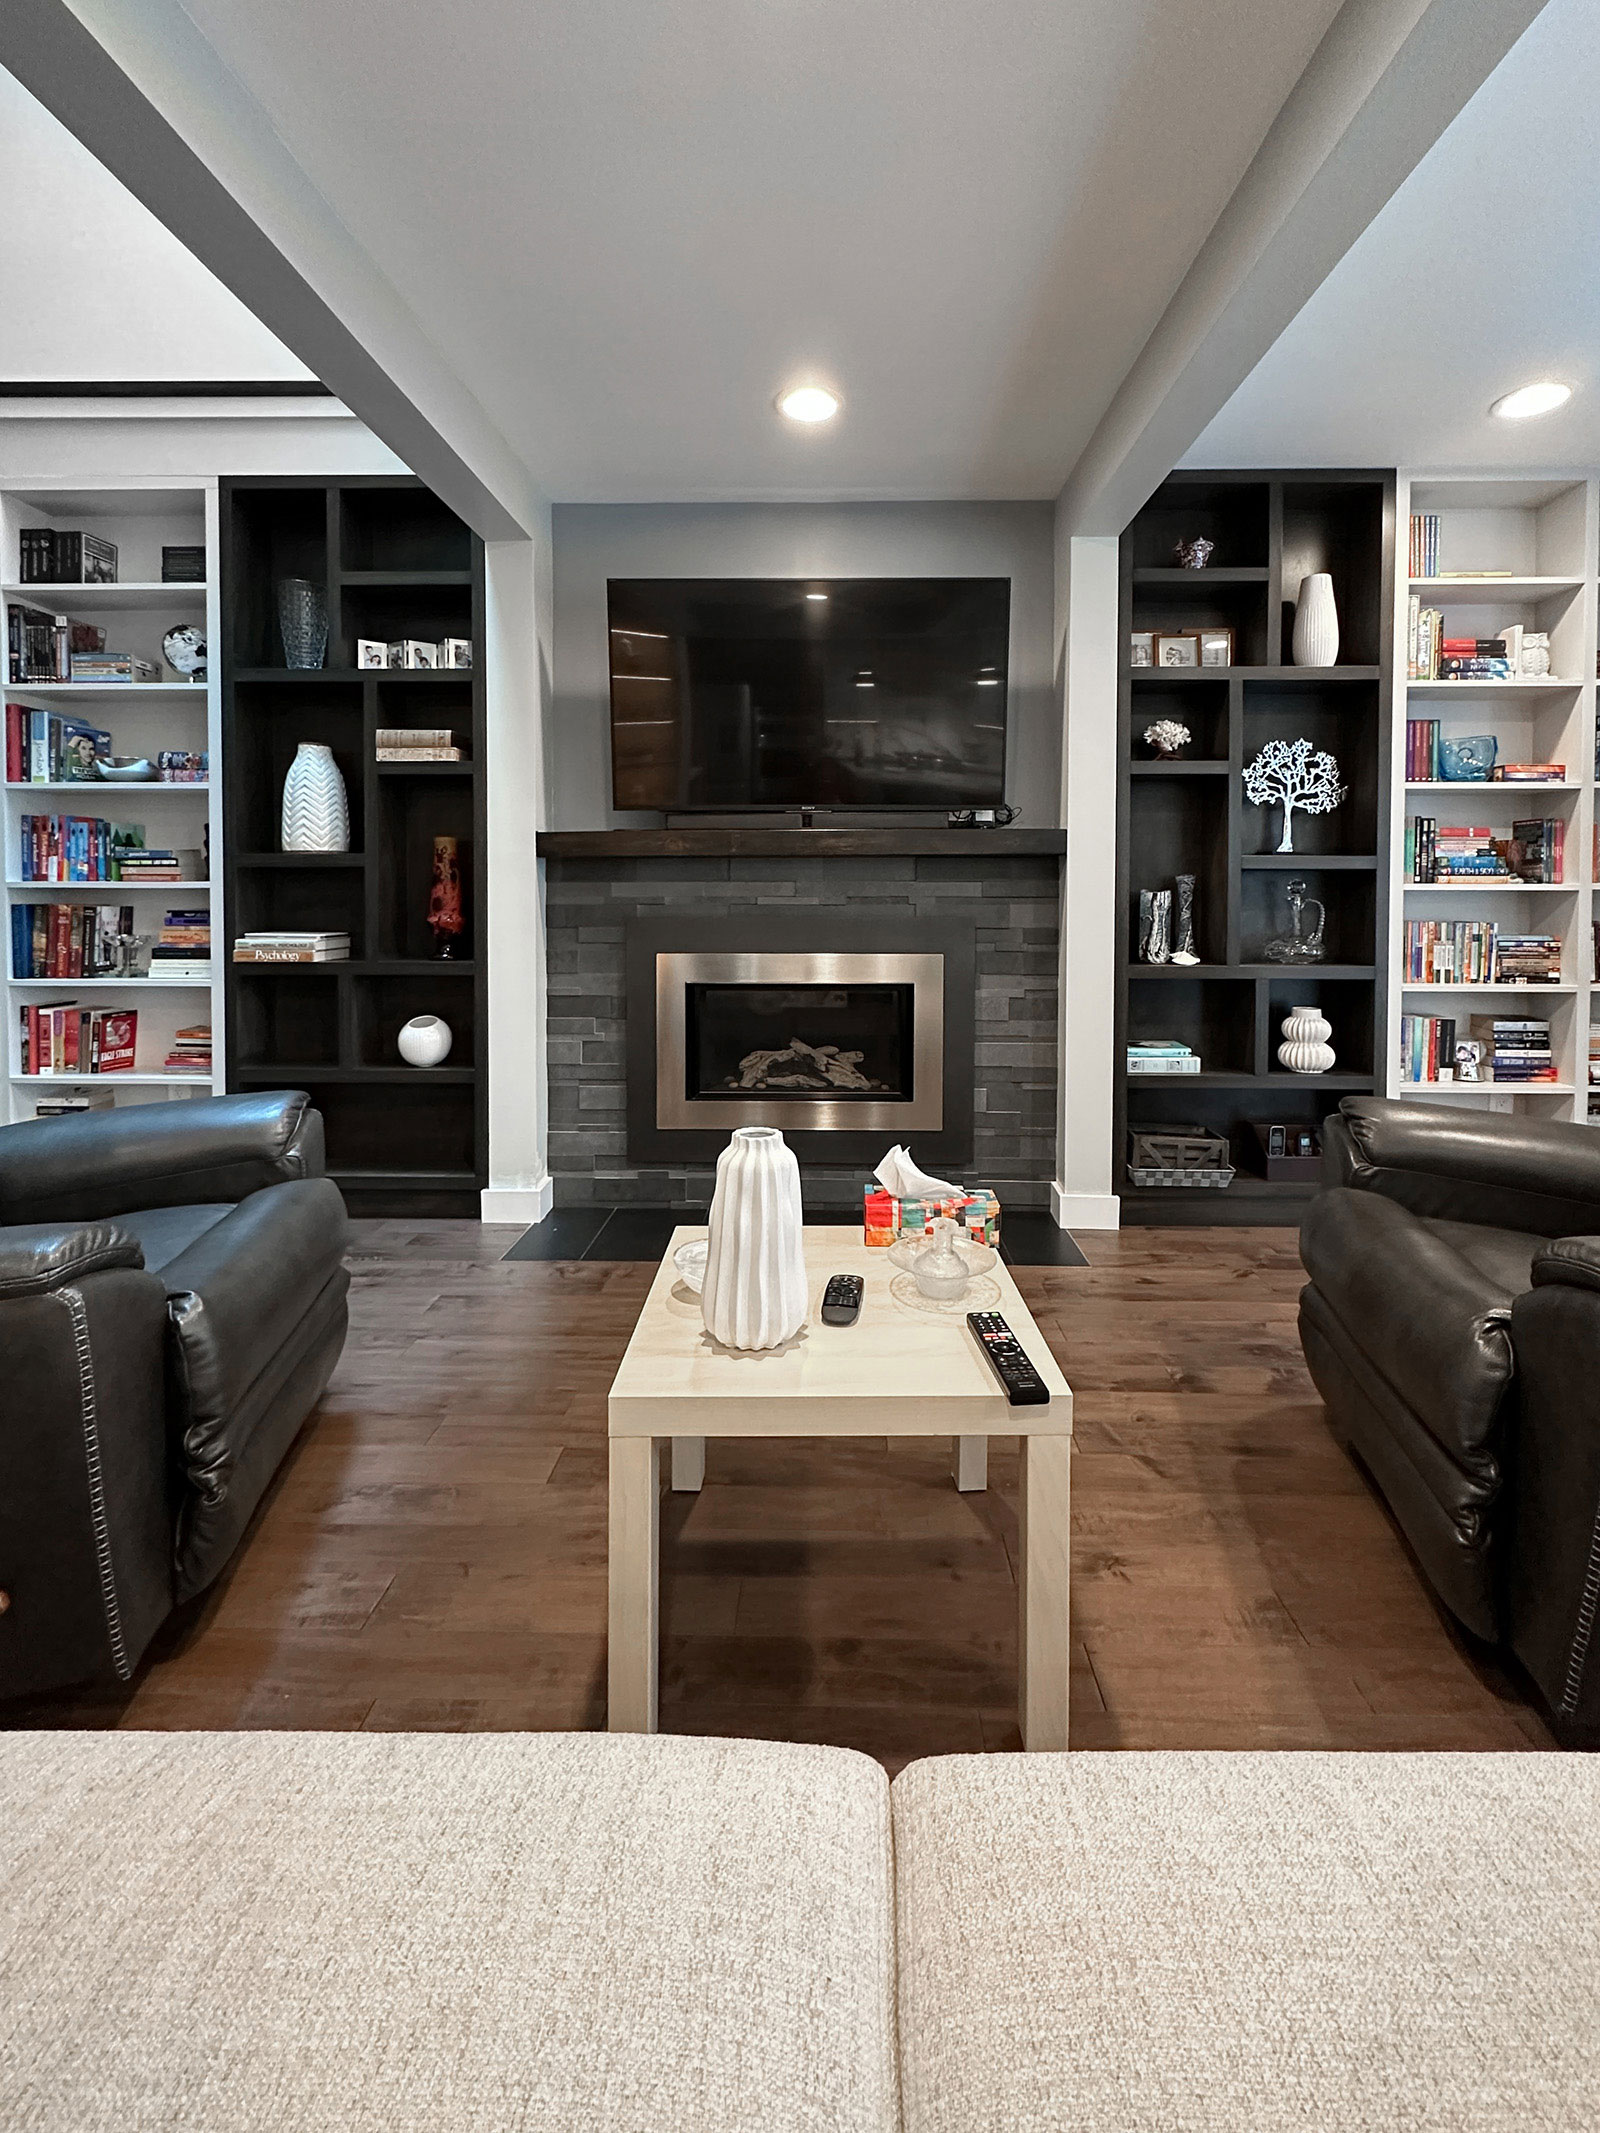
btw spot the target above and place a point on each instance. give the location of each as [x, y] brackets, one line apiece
[1216, 647]
[1142, 648]
[1177, 648]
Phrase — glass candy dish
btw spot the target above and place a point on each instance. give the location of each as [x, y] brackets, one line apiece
[942, 1262]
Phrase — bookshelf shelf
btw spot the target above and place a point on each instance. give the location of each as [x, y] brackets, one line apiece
[1191, 816]
[140, 517]
[1530, 553]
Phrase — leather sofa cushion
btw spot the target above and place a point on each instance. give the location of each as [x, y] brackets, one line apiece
[1434, 1324]
[164, 1232]
[39, 1256]
[1503, 1257]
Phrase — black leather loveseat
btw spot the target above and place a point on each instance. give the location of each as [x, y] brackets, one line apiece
[1452, 1325]
[172, 1303]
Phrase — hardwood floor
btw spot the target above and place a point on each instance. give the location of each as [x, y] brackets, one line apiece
[434, 1552]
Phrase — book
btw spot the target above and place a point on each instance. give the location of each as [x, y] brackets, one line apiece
[414, 736]
[63, 1102]
[49, 557]
[60, 1037]
[1427, 1048]
[106, 668]
[419, 755]
[1424, 552]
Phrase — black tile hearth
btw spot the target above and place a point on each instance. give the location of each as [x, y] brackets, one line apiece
[641, 1233]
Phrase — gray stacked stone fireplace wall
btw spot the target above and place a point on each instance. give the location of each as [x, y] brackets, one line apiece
[1012, 901]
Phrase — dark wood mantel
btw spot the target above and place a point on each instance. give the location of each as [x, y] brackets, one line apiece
[799, 843]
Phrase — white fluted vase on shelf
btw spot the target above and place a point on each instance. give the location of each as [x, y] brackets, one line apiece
[1316, 622]
[754, 1295]
[1305, 1048]
[316, 813]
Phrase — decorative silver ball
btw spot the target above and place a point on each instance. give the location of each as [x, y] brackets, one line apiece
[185, 651]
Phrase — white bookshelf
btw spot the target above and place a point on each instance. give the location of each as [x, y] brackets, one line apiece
[1512, 550]
[141, 517]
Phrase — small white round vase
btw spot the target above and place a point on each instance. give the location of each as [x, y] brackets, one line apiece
[1316, 622]
[754, 1294]
[316, 813]
[425, 1041]
[1305, 1048]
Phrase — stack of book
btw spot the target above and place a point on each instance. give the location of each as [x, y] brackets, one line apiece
[1529, 773]
[1442, 951]
[69, 940]
[51, 558]
[1422, 751]
[1527, 959]
[64, 1038]
[183, 946]
[74, 847]
[60, 1103]
[1427, 1048]
[182, 766]
[1162, 1055]
[1594, 1056]
[1424, 636]
[286, 947]
[1466, 659]
[416, 744]
[1424, 561]
[1516, 1051]
[1537, 851]
[190, 1051]
[112, 669]
[1452, 851]
[157, 863]
[40, 646]
[45, 749]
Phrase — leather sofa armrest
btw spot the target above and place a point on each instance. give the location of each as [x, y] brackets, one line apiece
[1538, 1175]
[206, 1149]
[1573, 1260]
[233, 1298]
[36, 1257]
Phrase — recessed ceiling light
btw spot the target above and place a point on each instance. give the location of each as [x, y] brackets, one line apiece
[816, 596]
[808, 403]
[1527, 400]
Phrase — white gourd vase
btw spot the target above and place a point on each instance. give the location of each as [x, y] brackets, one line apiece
[1316, 622]
[1305, 1048]
[316, 814]
[425, 1041]
[754, 1294]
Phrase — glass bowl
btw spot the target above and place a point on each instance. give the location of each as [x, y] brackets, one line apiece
[690, 1260]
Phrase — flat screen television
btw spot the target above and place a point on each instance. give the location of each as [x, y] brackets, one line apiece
[736, 694]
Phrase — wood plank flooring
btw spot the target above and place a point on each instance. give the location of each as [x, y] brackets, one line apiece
[434, 1552]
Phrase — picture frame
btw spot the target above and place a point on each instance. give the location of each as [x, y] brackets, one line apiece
[1177, 648]
[1216, 647]
[1142, 648]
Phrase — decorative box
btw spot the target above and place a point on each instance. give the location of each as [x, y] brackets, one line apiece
[413, 652]
[372, 652]
[456, 652]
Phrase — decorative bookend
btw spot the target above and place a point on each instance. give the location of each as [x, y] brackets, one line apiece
[755, 1286]
[316, 814]
[444, 897]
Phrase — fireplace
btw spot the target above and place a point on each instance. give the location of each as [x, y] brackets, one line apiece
[844, 1045]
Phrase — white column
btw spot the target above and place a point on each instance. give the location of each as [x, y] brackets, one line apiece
[1083, 1195]
[517, 669]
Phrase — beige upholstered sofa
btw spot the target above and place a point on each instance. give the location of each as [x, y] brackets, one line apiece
[281, 1933]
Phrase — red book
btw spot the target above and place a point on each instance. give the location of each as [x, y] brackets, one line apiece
[117, 1032]
[16, 718]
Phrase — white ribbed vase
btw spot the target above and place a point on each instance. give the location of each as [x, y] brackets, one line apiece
[755, 1287]
[1305, 1048]
[1316, 622]
[316, 814]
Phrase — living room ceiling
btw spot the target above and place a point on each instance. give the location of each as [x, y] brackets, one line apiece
[1481, 274]
[626, 226]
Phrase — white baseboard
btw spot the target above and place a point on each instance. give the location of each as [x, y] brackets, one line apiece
[516, 1203]
[1084, 1210]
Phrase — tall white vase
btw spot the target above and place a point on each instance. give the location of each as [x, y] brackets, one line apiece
[1316, 622]
[755, 1287]
[1305, 1048]
[316, 814]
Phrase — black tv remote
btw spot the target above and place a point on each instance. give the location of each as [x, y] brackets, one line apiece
[841, 1300]
[1008, 1360]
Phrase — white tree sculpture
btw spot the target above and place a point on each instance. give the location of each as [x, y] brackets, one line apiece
[1287, 773]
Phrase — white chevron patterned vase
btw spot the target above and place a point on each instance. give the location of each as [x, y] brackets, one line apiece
[755, 1286]
[316, 814]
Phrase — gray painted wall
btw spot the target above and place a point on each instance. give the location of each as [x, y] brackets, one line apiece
[594, 542]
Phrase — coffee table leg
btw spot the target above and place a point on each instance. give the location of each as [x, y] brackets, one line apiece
[689, 1463]
[972, 1463]
[633, 1642]
[1044, 1638]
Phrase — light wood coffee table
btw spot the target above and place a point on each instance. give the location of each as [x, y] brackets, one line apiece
[902, 1370]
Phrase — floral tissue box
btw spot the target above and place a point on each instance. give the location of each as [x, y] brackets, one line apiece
[886, 1219]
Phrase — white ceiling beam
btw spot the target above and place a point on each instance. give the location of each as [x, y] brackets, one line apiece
[145, 93]
[1382, 86]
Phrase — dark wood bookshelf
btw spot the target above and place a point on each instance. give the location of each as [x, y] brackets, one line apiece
[394, 562]
[1190, 816]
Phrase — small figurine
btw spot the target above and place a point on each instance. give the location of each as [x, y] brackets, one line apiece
[1195, 554]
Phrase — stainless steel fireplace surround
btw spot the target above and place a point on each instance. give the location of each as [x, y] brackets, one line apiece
[880, 1049]
[680, 1108]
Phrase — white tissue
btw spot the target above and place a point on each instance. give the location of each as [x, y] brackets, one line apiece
[899, 1175]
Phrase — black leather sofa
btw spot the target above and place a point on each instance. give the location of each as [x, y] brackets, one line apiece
[1452, 1325]
[172, 1303]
